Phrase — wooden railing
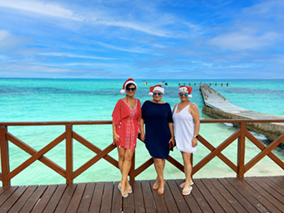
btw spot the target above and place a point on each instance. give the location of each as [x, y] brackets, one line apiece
[69, 174]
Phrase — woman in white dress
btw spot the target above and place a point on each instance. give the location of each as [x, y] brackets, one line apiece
[186, 127]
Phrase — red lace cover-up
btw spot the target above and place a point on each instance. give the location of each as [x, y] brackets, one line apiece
[127, 122]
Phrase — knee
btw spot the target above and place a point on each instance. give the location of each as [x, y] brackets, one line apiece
[128, 158]
[121, 157]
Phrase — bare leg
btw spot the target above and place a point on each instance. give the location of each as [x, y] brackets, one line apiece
[187, 168]
[159, 166]
[125, 169]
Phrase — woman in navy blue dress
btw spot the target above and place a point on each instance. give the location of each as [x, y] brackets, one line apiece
[157, 116]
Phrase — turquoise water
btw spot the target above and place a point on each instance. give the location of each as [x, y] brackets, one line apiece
[90, 99]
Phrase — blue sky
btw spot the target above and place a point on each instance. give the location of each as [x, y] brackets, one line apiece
[164, 39]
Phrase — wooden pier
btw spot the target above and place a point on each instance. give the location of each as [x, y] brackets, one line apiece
[217, 106]
[240, 194]
[253, 194]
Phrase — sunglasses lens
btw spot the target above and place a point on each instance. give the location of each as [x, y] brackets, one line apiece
[181, 94]
[155, 93]
[186, 94]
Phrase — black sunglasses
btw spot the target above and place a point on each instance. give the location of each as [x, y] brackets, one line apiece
[131, 89]
[157, 93]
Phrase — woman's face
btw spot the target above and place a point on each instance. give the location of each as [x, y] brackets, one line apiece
[183, 96]
[131, 90]
[157, 95]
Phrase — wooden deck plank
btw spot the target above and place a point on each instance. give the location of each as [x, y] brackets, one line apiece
[258, 205]
[66, 198]
[273, 185]
[239, 197]
[217, 195]
[76, 199]
[40, 206]
[107, 198]
[274, 192]
[228, 196]
[87, 198]
[97, 197]
[7, 193]
[23, 199]
[138, 197]
[128, 203]
[55, 199]
[267, 195]
[169, 199]
[258, 196]
[33, 199]
[190, 200]
[116, 199]
[159, 199]
[277, 181]
[251, 194]
[178, 197]
[148, 197]
[13, 199]
[200, 199]
[208, 196]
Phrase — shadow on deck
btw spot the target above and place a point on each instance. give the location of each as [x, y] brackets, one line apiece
[251, 194]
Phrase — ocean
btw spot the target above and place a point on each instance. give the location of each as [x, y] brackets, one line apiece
[94, 99]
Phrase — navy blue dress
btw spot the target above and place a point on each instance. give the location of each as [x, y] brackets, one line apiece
[157, 118]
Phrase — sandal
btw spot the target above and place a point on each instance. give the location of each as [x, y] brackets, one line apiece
[129, 189]
[161, 191]
[186, 189]
[182, 184]
[156, 186]
[124, 194]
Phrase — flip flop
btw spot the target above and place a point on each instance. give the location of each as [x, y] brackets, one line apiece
[186, 193]
[156, 186]
[182, 184]
[161, 191]
[129, 189]
[123, 193]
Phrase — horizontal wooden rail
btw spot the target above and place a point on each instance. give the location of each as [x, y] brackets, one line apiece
[69, 174]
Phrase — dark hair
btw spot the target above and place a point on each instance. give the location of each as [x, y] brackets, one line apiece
[128, 85]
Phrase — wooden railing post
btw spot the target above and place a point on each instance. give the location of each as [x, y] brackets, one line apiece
[5, 164]
[69, 154]
[241, 151]
[132, 169]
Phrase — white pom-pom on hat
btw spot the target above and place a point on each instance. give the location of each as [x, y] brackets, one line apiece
[128, 81]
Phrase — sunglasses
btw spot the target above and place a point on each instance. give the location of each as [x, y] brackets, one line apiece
[131, 89]
[181, 94]
[157, 93]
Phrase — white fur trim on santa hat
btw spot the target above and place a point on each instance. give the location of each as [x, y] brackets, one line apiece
[124, 89]
[160, 89]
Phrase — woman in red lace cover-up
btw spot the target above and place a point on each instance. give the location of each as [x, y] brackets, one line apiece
[126, 118]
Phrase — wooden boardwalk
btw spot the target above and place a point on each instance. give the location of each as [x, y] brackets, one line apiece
[251, 194]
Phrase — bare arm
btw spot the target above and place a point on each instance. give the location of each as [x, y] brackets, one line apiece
[196, 119]
[115, 135]
[142, 136]
[172, 140]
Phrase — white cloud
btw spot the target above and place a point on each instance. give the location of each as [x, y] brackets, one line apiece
[7, 40]
[41, 7]
[242, 40]
[75, 56]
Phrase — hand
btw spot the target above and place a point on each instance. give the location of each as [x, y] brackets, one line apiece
[194, 142]
[142, 137]
[172, 140]
[115, 137]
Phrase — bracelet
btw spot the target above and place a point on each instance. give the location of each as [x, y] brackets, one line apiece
[196, 136]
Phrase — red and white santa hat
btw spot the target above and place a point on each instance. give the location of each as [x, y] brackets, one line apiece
[185, 89]
[156, 88]
[128, 81]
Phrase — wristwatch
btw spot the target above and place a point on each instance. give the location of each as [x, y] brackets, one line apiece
[196, 136]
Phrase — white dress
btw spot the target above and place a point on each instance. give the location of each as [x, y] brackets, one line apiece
[184, 130]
